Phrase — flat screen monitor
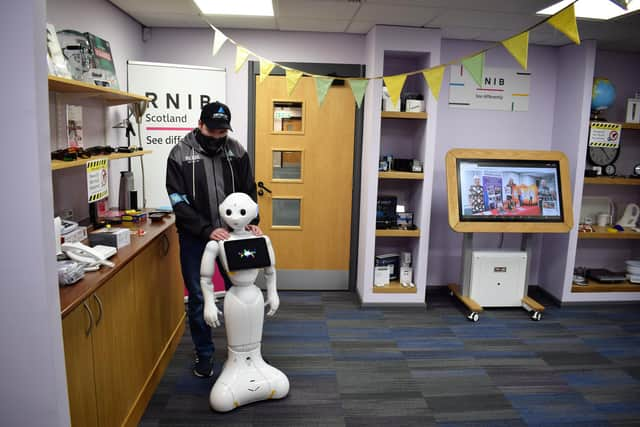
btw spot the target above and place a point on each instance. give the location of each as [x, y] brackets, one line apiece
[508, 191]
[245, 254]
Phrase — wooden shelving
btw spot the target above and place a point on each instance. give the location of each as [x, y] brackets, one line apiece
[109, 96]
[593, 286]
[401, 175]
[59, 164]
[602, 233]
[397, 233]
[422, 115]
[630, 125]
[611, 180]
[394, 287]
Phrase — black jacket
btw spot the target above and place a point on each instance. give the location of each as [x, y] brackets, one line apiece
[197, 183]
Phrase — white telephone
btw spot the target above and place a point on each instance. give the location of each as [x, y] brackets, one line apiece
[92, 258]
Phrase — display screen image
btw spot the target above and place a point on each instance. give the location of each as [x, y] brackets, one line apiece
[509, 190]
[244, 254]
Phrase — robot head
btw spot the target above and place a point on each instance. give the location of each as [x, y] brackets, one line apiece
[238, 210]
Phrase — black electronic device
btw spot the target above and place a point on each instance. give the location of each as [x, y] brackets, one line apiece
[603, 275]
[243, 254]
[404, 165]
[636, 171]
[610, 170]
[386, 212]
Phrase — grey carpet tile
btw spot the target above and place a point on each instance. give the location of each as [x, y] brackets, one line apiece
[407, 366]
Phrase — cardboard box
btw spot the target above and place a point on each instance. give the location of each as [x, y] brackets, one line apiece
[116, 237]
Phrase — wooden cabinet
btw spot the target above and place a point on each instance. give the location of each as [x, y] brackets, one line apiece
[119, 340]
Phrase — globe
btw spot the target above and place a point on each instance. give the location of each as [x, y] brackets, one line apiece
[603, 94]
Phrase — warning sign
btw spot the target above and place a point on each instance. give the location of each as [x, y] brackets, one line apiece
[97, 179]
[603, 134]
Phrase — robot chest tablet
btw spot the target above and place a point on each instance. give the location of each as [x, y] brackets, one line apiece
[243, 254]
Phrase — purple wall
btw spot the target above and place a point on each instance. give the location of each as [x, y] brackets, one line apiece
[459, 128]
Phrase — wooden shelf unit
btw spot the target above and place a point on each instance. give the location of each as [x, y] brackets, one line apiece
[612, 180]
[397, 233]
[422, 115]
[630, 125]
[593, 286]
[60, 164]
[394, 287]
[401, 175]
[602, 233]
[108, 95]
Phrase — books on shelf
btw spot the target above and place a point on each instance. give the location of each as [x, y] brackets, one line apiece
[55, 58]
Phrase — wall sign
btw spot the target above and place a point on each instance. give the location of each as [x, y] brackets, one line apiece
[178, 93]
[603, 134]
[503, 89]
[97, 179]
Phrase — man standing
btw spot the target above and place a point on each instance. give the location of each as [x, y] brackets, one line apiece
[202, 169]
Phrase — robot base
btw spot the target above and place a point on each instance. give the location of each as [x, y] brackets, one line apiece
[246, 378]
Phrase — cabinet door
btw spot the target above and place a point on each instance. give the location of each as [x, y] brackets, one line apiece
[78, 356]
[117, 380]
[175, 285]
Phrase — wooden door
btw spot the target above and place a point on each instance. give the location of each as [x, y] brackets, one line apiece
[304, 156]
[78, 356]
[117, 379]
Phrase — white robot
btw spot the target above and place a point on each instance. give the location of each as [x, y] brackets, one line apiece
[245, 376]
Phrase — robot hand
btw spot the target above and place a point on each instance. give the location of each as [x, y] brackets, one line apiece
[273, 301]
[212, 315]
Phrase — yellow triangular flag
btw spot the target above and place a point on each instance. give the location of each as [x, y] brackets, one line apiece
[394, 86]
[322, 87]
[434, 76]
[265, 68]
[293, 77]
[565, 22]
[218, 40]
[241, 57]
[518, 46]
[358, 86]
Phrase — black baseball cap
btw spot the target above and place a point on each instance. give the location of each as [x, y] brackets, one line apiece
[216, 115]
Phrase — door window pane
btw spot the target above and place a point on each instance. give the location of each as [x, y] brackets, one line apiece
[287, 116]
[287, 164]
[286, 212]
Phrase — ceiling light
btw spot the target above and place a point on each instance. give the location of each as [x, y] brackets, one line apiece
[593, 9]
[235, 7]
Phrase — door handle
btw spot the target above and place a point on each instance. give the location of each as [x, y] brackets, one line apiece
[262, 187]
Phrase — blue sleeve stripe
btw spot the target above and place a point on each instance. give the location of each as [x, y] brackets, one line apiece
[178, 198]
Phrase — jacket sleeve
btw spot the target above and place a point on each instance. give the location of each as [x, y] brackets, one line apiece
[247, 182]
[188, 218]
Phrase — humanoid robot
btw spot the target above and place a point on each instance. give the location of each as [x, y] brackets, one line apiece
[245, 376]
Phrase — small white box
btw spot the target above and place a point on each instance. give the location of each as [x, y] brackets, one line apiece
[76, 235]
[381, 275]
[414, 105]
[390, 106]
[116, 237]
[406, 275]
[633, 110]
[498, 278]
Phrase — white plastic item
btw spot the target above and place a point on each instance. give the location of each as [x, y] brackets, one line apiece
[592, 206]
[498, 278]
[630, 216]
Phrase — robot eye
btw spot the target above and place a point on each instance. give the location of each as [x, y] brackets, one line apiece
[228, 212]
[243, 212]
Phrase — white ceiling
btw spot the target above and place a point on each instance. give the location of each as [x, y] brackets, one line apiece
[488, 20]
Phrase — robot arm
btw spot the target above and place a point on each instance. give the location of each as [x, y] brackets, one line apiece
[273, 300]
[207, 268]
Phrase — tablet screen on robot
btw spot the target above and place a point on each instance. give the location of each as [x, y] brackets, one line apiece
[247, 253]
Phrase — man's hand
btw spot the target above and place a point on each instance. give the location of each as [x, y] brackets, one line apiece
[254, 229]
[219, 234]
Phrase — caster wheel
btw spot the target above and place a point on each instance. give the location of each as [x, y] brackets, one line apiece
[536, 316]
[473, 316]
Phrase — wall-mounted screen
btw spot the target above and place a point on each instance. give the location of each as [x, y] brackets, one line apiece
[508, 191]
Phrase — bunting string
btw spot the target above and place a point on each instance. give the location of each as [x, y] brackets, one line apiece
[517, 45]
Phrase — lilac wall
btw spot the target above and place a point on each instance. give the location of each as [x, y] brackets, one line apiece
[459, 128]
[193, 47]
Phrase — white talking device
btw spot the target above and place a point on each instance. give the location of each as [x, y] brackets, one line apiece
[91, 257]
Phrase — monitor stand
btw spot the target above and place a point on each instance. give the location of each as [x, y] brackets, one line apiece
[475, 280]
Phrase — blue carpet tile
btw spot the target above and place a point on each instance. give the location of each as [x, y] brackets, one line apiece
[408, 366]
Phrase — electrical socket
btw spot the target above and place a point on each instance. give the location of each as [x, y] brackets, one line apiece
[66, 214]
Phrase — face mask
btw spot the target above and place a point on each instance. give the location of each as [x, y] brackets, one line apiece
[210, 144]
